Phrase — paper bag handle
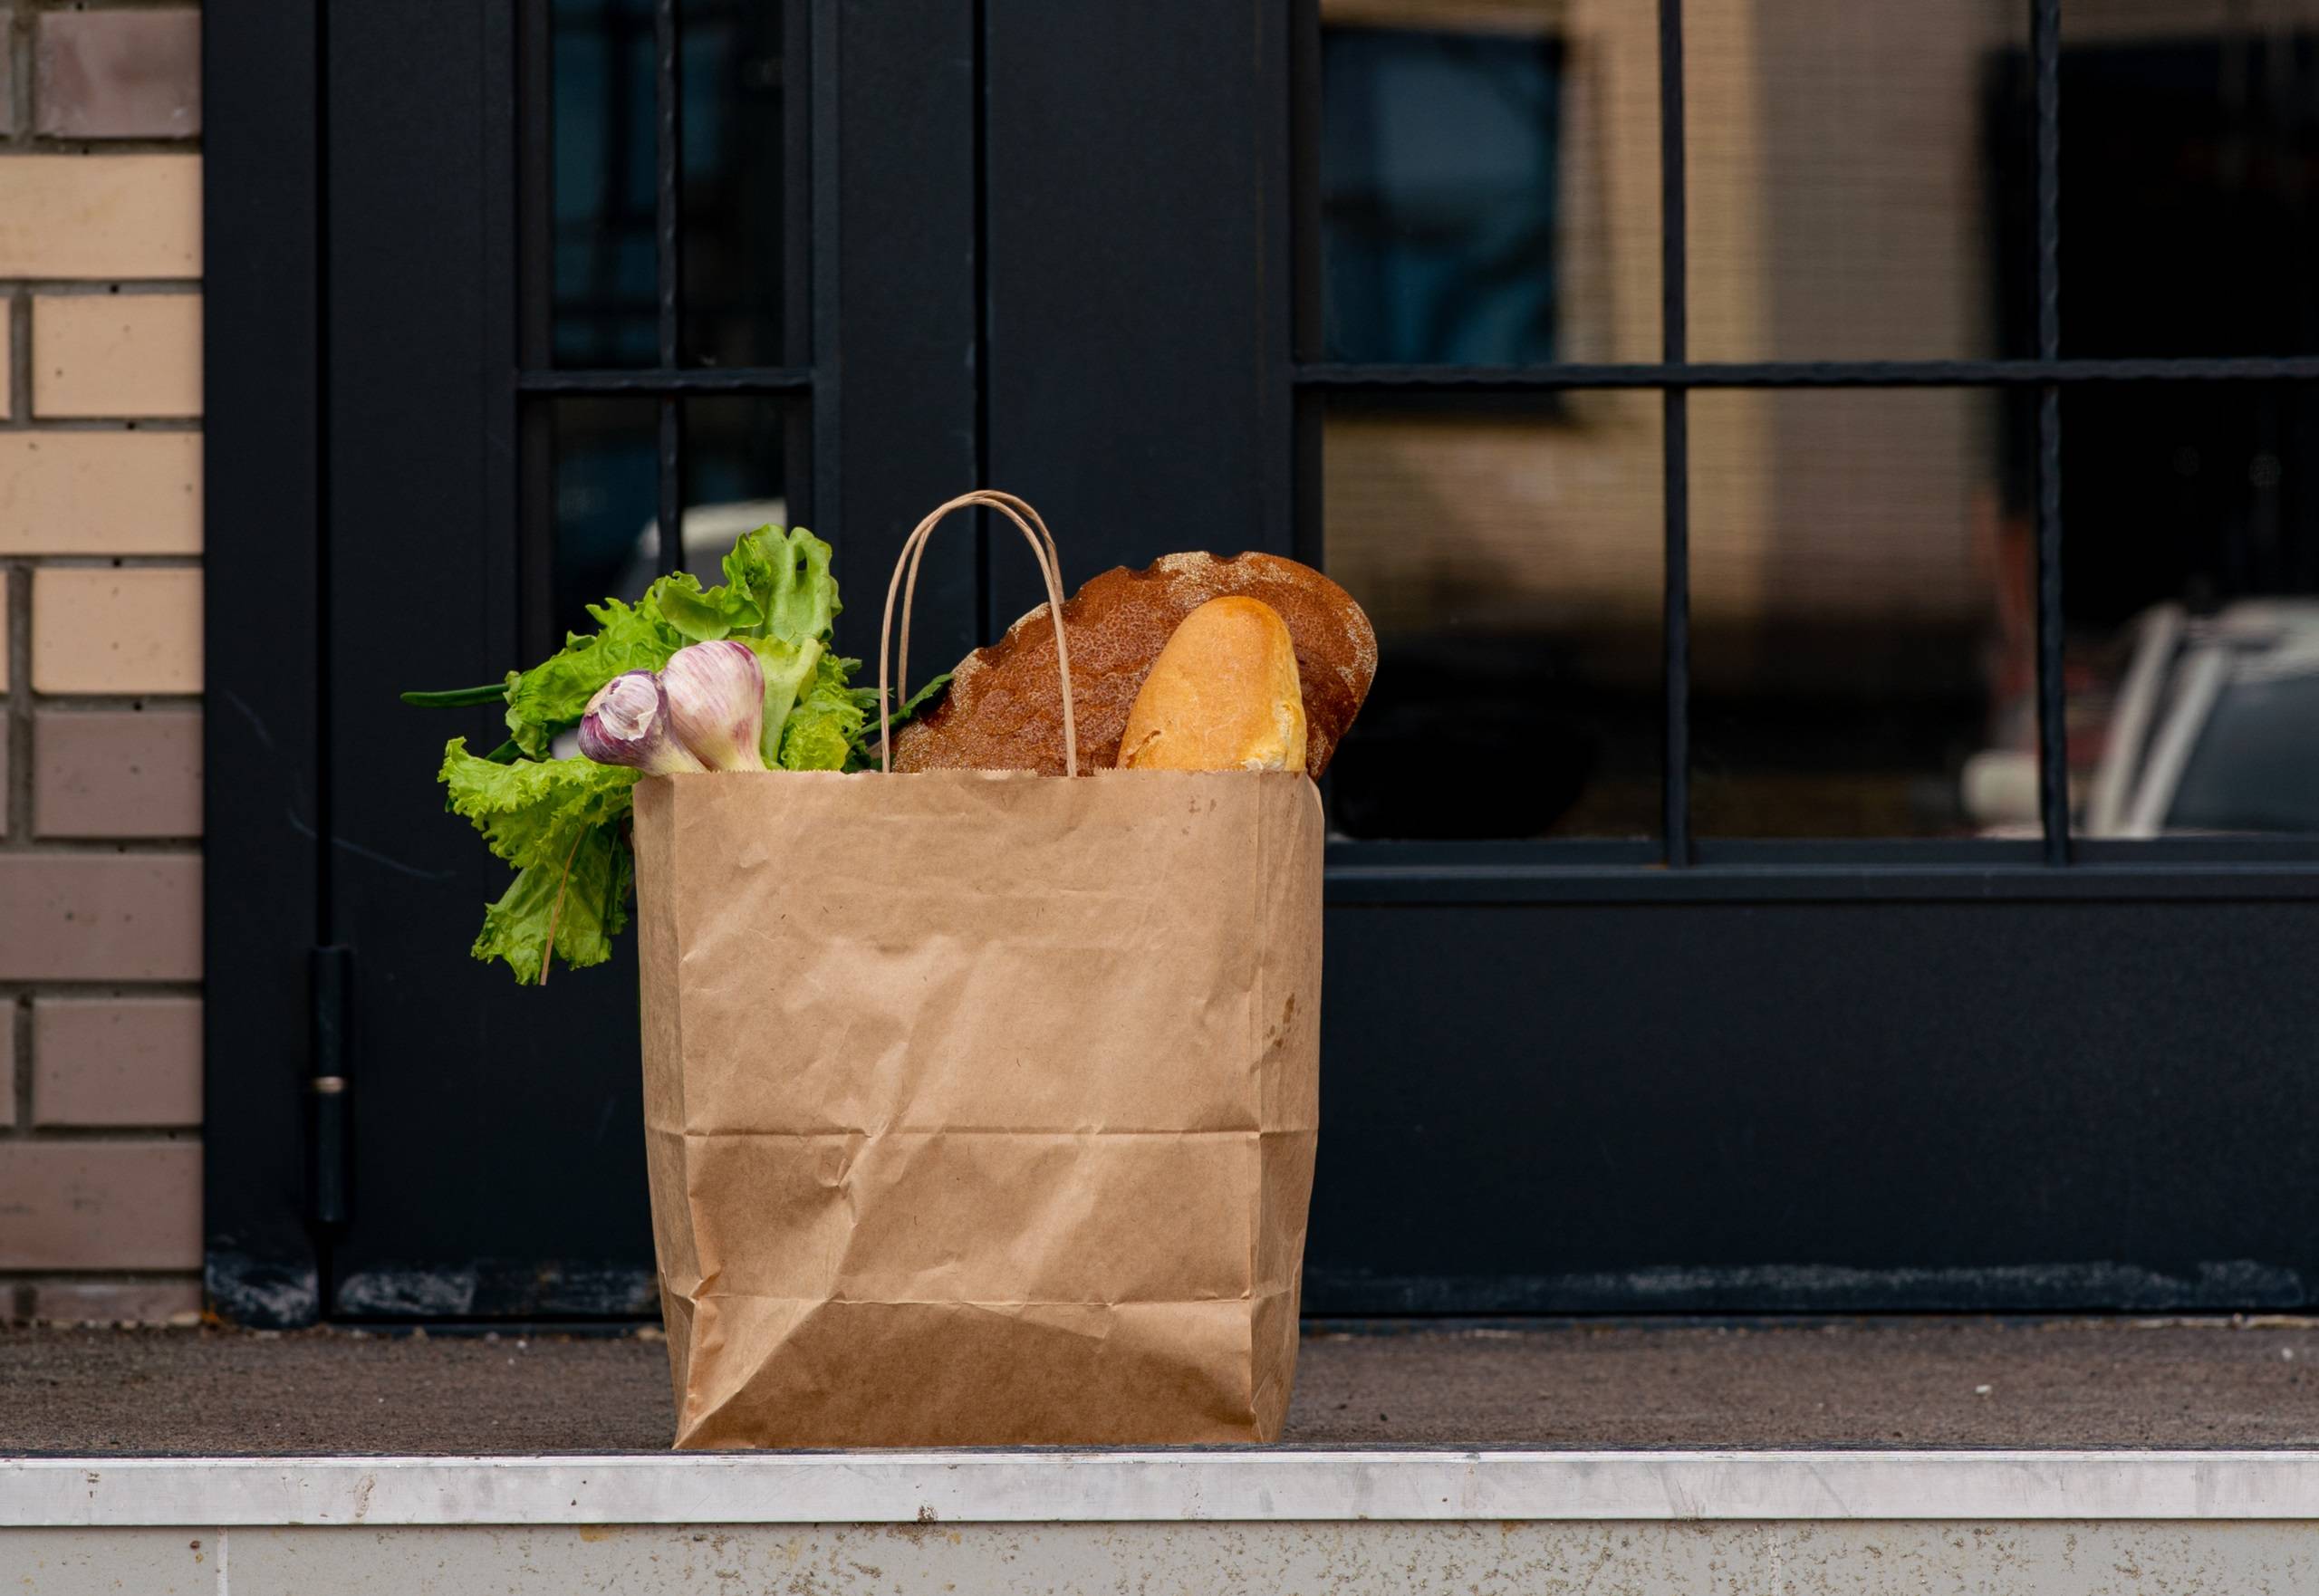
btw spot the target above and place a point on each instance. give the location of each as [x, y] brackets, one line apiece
[904, 584]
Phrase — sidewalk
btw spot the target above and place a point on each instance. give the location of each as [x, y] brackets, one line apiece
[1893, 1383]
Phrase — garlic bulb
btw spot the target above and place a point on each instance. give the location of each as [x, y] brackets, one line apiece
[627, 723]
[716, 703]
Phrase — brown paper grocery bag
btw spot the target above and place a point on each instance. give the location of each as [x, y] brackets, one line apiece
[980, 1105]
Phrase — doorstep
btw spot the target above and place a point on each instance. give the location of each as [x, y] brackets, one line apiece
[1848, 1455]
[1911, 1383]
[1285, 1519]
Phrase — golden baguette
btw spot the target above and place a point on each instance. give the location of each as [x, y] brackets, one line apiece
[1222, 695]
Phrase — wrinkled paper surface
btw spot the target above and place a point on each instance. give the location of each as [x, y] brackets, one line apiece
[980, 1106]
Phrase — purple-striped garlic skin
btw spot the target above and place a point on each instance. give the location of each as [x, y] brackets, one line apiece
[627, 723]
[716, 703]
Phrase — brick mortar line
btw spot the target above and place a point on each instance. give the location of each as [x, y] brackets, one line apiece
[10, 991]
[87, 424]
[126, 703]
[108, 287]
[136, 1135]
[19, 375]
[20, 1025]
[20, 701]
[17, 36]
[42, 561]
[68, 847]
[65, 147]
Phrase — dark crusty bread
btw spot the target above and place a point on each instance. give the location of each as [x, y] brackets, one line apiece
[1003, 710]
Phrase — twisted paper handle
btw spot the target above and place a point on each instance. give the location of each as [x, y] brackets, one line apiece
[904, 584]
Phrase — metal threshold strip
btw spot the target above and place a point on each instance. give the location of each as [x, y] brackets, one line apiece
[1250, 1485]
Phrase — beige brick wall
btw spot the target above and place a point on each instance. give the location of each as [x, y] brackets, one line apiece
[100, 660]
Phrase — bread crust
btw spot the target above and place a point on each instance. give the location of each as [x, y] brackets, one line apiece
[1003, 710]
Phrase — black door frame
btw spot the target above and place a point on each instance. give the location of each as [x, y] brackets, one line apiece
[1708, 1052]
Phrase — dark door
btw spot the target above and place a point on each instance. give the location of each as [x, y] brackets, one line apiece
[1779, 867]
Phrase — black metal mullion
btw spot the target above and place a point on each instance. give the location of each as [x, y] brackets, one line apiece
[647, 382]
[1676, 457]
[667, 210]
[2052, 749]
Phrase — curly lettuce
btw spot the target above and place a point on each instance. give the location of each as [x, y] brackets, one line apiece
[561, 824]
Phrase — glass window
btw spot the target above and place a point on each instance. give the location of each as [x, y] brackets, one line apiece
[2189, 209]
[1862, 637]
[1511, 557]
[2190, 586]
[735, 198]
[1437, 204]
[601, 255]
[1842, 204]
[606, 491]
[1490, 196]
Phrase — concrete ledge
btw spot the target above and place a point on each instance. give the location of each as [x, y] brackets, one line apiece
[1160, 1487]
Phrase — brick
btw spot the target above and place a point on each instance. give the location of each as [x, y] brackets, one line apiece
[167, 1301]
[117, 75]
[7, 105]
[100, 492]
[100, 216]
[8, 1064]
[117, 773]
[116, 1061]
[6, 790]
[99, 1204]
[8, 331]
[100, 917]
[116, 355]
[116, 631]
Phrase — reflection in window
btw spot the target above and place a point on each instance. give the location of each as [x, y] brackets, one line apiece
[1490, 196]
[1438, 194]
[1510, 558]
[2190, 562]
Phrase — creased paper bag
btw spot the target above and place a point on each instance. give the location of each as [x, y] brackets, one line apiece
[980, 1105]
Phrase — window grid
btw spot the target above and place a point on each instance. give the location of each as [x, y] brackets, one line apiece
[1676, 376]
[669, 381]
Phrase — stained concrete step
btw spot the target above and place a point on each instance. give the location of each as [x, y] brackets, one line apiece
[2060, 1523]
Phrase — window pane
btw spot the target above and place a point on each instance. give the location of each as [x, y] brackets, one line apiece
[1842, 203]
[606, 488]
[2190, 583]
[602, 253]
[1861, 622]
[606, 458]
[735, 480]
[1510, 561]
[1489, 181]
[2188, 216]
[739, 220]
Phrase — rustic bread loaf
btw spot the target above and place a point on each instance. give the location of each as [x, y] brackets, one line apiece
[1003, 710]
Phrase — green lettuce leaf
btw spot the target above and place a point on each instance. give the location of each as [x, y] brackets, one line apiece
[582, 906]
[532, 812]
[787, 576]
[788, 667]
[557, 821]
[825, 730]
[703, 616]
